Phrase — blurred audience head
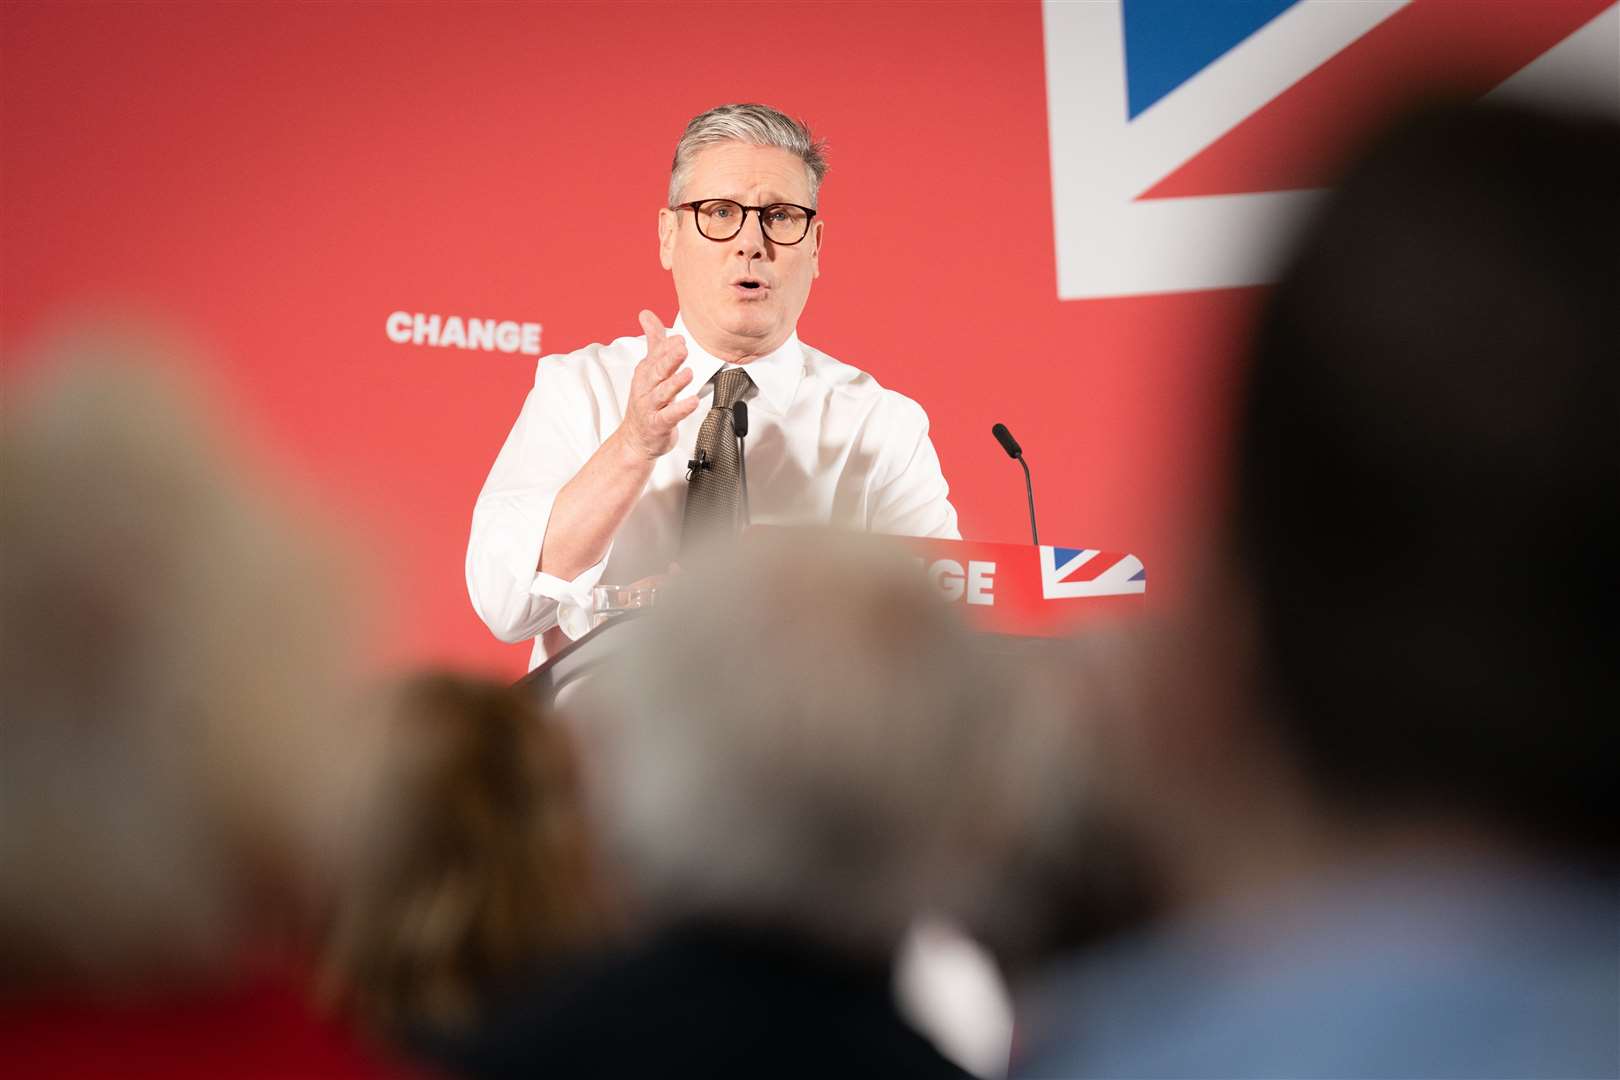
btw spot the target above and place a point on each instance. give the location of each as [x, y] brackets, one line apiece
[175, 773]
[806, 739]
[1427, 497]
[478, 869]
[1078, 872]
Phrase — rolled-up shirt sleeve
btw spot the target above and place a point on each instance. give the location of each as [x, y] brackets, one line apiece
[909, 496]
[555, 433]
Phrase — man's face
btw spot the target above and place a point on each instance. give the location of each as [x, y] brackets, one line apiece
[740, 297]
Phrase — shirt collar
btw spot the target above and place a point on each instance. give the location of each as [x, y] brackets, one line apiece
[776, 374]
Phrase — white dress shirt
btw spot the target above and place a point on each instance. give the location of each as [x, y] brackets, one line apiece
[826, 445]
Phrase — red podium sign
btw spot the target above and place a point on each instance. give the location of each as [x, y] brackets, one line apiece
[1012, 589]
[1032, 591]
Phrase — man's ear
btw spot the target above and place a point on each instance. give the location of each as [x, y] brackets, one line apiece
[815, 248]
[669, 224]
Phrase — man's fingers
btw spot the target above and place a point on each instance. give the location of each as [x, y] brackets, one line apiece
[664, 392]
[663, 357]
[681, 377]
[674, 350]
[663, 368]
[678, 410]
[651, 327]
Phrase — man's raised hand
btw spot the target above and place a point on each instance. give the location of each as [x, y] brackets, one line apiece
[652, 413]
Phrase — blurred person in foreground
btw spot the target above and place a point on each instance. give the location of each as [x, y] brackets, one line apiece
[1382, 772]
[789, 762]
[175, 766]
[477, 900]
[1078, 874]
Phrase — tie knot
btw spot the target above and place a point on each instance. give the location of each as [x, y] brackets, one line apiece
[729, 386]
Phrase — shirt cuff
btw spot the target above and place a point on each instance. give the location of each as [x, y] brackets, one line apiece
[573, 597]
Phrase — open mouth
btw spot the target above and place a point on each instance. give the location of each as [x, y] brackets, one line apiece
[750, 287]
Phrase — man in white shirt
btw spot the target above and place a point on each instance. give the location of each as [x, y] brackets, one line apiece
[592, 481]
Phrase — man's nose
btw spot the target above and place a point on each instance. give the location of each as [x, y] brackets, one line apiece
[751, 242]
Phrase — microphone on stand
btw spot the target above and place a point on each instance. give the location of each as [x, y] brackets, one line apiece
[1016, 452]
[739, 426]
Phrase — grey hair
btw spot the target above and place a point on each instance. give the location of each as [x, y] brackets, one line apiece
[806, 737]
[176, 709]
[757, 125]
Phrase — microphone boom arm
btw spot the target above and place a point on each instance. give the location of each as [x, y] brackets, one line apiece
[1016, 452]
[1029, 489]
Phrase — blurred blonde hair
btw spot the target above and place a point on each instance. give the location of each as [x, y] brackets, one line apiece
[174, 766]
[479, 868]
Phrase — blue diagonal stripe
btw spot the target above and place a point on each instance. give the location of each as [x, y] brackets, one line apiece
[1167, 42]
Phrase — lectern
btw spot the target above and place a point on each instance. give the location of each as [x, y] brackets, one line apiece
[565, 667]
[1020, 594]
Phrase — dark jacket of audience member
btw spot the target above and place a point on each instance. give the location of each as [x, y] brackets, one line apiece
[1381, 767]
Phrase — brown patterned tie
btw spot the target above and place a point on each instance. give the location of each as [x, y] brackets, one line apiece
[713, 494]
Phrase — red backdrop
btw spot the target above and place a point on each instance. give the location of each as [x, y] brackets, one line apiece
[277, 179]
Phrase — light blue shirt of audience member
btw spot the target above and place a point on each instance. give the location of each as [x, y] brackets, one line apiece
[1503, 971]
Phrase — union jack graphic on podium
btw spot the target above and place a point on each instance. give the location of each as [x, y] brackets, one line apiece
[1069, 573]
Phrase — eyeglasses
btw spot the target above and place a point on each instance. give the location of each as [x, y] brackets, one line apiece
[721, 219]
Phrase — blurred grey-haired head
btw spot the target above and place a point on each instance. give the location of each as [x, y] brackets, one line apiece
[757, 125]
[806, 737]
[176, 762]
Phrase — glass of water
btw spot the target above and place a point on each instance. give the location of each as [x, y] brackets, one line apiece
[610, 601]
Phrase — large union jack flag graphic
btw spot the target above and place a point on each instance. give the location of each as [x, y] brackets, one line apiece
[1187, 136]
